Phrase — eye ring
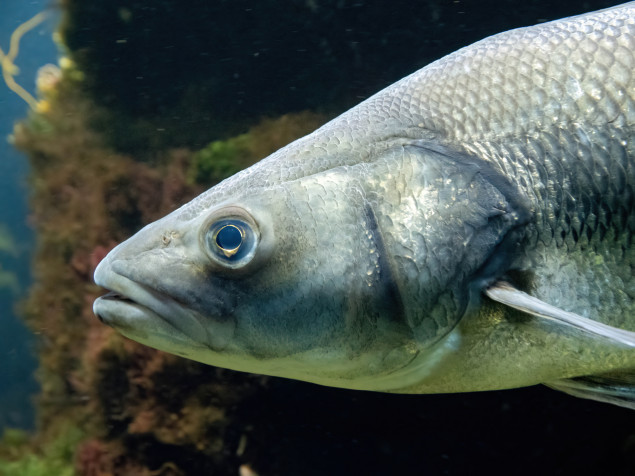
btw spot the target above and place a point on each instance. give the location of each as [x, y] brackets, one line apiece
[231, 239]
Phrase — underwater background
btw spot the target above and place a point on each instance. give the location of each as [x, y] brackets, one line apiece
[17, 356]
[151, 103]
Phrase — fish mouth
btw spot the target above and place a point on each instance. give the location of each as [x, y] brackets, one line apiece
[116, 309]
[129, 304]
[110, 296]
[151, 317]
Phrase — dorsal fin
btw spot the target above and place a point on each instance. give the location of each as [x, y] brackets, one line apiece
[506, 294]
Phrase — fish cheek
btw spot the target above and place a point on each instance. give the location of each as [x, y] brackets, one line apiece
[296, 301]
[279, 312]
[327, 283]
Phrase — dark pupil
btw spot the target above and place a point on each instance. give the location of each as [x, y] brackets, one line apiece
[229, 237]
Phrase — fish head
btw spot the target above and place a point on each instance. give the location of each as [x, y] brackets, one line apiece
[334, 276]
[282, 281]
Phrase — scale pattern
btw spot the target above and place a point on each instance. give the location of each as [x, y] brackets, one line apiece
[552, 107]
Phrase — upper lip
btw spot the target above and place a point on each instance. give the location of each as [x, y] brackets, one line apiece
[111, 295]
[122, 288]
[165, 307]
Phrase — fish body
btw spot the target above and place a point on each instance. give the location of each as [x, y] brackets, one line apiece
[359, 255]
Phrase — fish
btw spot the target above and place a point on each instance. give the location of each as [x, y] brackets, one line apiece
[468, 228]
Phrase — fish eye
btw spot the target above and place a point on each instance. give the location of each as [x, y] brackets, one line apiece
[232, 241]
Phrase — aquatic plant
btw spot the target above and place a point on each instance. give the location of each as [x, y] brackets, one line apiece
[18, 458]
[8, 279]
[7, 60]
[223, 158]
[47, 78]
[220, 159]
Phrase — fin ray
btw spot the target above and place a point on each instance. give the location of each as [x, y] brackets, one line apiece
[617, 388]
[506, 294]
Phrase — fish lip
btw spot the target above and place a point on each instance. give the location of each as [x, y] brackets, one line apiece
[124, 291]
[110, 296]
[120, 299]
[135, 294]
[129, 302]
[115, 296]
[120, 312]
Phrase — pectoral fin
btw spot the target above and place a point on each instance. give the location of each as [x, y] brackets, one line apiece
[506, 294]
[617, 388]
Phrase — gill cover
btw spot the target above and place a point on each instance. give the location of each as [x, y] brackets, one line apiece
[461, 234]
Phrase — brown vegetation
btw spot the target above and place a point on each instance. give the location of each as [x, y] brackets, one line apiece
[135, 404]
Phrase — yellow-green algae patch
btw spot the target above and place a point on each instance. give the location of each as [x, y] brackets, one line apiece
[222, 158]
[55, 457]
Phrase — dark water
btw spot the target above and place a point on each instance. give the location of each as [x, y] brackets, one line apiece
[17, 359]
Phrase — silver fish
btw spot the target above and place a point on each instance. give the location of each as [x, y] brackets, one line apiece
[468, 228]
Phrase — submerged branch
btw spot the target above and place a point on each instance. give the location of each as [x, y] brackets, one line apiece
[7, 61]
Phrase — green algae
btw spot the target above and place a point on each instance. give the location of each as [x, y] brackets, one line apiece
[19, 456]
[8, 279]
[223, 158]
[220, 159]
